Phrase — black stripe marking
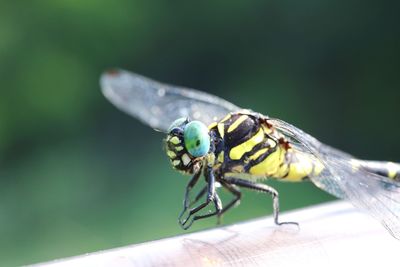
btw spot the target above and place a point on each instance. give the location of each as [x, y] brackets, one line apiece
[245, 131]
[260, 158]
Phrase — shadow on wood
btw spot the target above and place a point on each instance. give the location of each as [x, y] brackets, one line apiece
[333, 234]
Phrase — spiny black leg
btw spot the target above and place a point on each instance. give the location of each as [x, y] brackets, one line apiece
[218, 209]
[198, 196]
[237, 195]
[265, 189]
[186, 202]
[210, 197]
[189, 187]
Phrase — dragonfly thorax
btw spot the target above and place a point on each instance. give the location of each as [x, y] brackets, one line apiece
[187, 143]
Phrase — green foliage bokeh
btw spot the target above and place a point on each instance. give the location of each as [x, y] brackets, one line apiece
[77, 175]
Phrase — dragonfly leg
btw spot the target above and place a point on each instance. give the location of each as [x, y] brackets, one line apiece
[218, 209]
[211, 197]
[264, 189]
[198, 196]
[186, 202]
[237, 196]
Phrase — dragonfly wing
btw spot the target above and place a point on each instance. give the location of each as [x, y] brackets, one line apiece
[377, 195]
[157, 104]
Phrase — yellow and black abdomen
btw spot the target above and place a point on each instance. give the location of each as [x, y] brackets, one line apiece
[287, 164]
[251, 148]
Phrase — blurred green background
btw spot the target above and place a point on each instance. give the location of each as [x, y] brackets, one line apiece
[77, 175]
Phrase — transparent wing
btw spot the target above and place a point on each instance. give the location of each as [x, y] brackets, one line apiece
[344, 178]
[157, 104]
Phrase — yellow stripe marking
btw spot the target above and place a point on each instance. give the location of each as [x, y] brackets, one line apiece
[175, 140]
[179, 148]
[258, 153]
[227, 117]
[212, 125]
[269, 166]
[221, 129]
[171, 154]
[176, 162]
[221, 157]
[236, 124]
[393, 169]
[238, 151]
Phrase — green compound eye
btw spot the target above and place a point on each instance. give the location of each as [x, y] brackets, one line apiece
[197, 139]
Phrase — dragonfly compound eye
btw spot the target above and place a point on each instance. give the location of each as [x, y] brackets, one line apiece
[197, 139]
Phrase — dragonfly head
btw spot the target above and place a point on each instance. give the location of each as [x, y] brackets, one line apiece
[187, 143]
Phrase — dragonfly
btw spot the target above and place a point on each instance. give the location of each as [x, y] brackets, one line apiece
[235, 148]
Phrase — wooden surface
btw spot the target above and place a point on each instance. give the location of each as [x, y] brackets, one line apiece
[332, 234]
